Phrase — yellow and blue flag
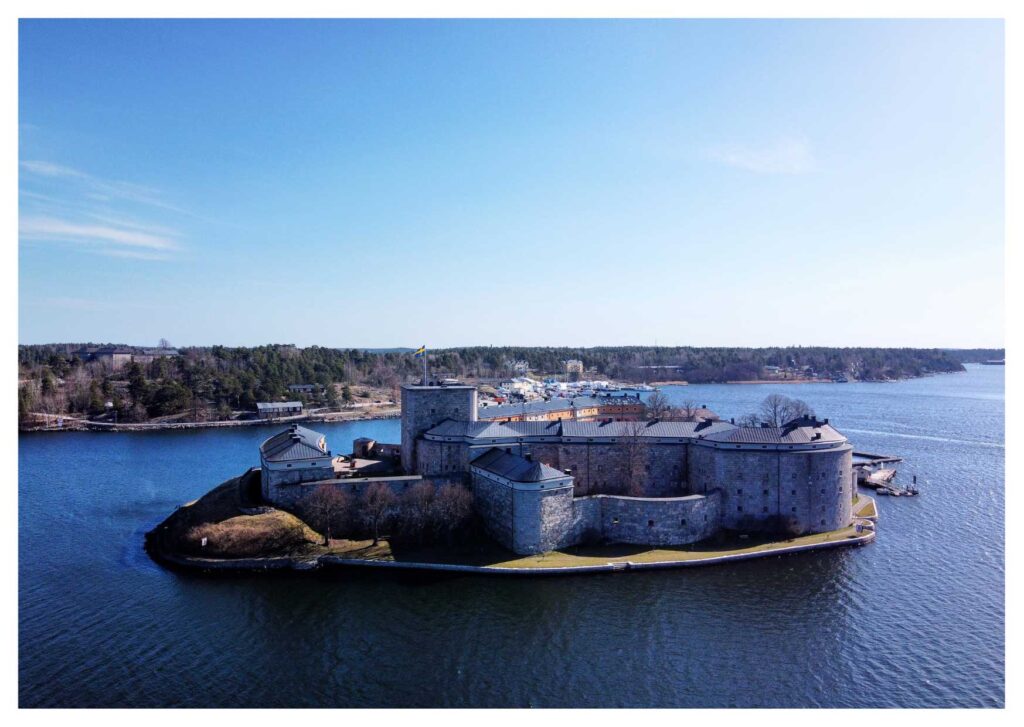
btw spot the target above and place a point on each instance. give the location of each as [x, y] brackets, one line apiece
[420, 352]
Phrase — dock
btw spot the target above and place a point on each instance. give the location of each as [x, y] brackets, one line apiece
[872, 472]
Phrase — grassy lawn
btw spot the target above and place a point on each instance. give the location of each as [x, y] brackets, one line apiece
[492, 555]
[866, 508]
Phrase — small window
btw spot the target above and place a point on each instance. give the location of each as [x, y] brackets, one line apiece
[650, 523]
[739, 508]
[739, 491]
[683, 522]
[794, 509]
[764, 509]
[822, 522]
[822, 490]
[766, 492]
[794, 492]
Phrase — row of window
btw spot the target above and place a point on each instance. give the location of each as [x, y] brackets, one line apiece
[650, 523]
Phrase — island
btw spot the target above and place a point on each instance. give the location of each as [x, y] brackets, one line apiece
[528, 496]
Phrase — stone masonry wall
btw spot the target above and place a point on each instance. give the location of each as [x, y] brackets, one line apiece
[791, 491]
[493, 502]
[288, 496]
[661, 521]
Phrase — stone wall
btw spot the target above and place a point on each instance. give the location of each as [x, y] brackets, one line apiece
[796, 491]
[531, 520]
[288, 496]
[276, 474]
[659, 521]
[437, 459]
[597, 468]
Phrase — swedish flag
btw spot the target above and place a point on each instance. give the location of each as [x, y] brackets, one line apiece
[420, 352]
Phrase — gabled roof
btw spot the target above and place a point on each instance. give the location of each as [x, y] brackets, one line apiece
[295, 443]
[515, 468]
[495, 430]
[799, 431]
[668, 430]
[574, 428]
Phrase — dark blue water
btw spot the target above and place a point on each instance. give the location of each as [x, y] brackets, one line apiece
[915, 619]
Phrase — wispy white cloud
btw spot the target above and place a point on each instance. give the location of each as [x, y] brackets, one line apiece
[108, 239]
[97, 187]
[71, 207]
[785, 156]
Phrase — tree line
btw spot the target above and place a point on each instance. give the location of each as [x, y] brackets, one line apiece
[211, 382]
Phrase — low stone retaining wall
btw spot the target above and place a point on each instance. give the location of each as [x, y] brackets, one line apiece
[308, 564]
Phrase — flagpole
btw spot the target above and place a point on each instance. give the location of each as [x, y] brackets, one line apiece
[424, 365]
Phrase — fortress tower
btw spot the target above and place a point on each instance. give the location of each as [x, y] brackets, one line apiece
[424, 407]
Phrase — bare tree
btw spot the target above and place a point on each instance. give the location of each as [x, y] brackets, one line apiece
[326, 509]
[164, 343]
[634, 458]
[749, 420]
[415, 511]
[773, 410]
[798, 409]
[452, 509]
[378, 504]
[777, 410]
[658, 406]
[687, 411]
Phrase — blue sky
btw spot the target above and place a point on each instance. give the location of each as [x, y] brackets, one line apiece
[392, 183]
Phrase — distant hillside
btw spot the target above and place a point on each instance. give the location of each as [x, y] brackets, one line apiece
[977, 355]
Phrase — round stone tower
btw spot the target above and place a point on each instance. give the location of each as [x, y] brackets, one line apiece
[424, 407]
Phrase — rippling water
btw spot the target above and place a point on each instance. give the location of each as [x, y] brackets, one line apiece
[915, 619]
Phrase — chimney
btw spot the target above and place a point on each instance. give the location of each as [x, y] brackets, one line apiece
[826, 420]
[732, 420]
[528, 457]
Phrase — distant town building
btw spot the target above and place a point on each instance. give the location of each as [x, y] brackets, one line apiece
[305, 388]
[117, 357]
[573, 366]
[520, 367]
[148, 355]
[275, 409]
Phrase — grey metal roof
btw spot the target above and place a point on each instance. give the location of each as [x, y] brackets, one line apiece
[573, 428]
[495, 430]
[515, 468]
[798, 432]
[678, 430]
[294, 443]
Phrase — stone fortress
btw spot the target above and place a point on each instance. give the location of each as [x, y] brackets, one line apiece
[545, 485]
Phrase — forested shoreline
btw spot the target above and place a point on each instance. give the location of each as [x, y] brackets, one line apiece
[218, 382]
